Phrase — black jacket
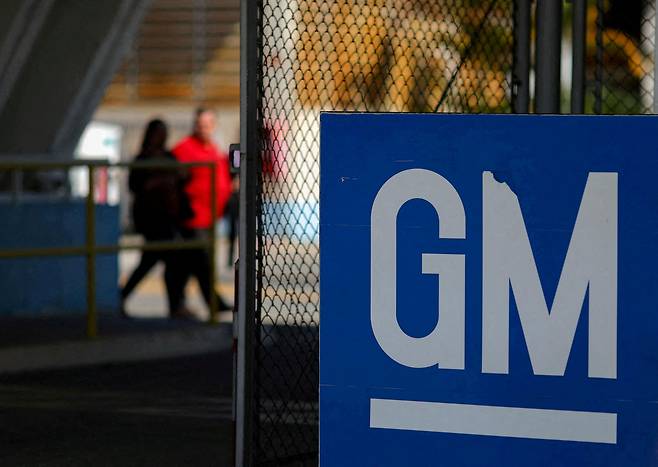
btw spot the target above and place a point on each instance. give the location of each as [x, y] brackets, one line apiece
[160, 204]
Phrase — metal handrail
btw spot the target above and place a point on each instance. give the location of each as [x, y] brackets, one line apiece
[90, 249]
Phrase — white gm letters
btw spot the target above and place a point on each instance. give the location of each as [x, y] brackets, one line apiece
[590, 266]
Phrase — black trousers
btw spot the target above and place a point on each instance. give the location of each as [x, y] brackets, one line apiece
[146, 263]
[191, 263]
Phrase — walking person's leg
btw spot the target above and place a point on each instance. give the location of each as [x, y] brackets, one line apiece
[177, 273]
[200, 269]
[146, 263]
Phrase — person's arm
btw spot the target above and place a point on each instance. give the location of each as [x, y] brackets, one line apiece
[137, 178]
[223, 184]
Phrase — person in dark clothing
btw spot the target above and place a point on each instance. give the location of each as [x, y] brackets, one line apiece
[160, 207]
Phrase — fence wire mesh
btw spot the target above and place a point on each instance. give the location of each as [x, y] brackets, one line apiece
[359, 55]
[623, 33]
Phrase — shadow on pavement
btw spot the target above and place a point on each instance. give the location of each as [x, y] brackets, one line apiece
[170, 412]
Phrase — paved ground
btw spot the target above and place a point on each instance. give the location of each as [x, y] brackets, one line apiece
[167, 404]
[26, 331]
[174, 412]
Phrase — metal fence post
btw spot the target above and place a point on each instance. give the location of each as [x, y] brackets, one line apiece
[598, 72]
[212, 247]
[547, 56]
[249, 166]
[521, 66]
[579, 29]
[92, 325]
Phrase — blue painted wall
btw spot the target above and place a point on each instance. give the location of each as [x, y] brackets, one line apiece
[54, 285]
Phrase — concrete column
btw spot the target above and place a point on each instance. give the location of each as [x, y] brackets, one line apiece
[64, 74]
[20, 23]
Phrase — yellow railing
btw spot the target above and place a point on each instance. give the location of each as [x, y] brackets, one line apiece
[91, 249]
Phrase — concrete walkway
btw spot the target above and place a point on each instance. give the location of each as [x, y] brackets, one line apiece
[38, 343]
[174, 412]
[147, 391]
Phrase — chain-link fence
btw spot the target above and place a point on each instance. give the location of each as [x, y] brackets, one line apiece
[622, 38]
[462, 56]
[360, 55]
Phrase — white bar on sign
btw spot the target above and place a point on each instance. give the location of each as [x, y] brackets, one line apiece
[487, 420]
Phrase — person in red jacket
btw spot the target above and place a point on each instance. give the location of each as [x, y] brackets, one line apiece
[199, 147]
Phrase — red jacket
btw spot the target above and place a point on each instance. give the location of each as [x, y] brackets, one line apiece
[198, 188]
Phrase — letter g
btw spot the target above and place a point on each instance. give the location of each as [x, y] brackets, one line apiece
[444, 346]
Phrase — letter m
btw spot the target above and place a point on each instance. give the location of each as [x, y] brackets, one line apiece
[590, 264]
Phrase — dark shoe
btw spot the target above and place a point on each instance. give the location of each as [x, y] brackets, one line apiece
[183, 313]
[222, 305]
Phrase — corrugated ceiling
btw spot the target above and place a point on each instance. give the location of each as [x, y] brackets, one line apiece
[187, 51]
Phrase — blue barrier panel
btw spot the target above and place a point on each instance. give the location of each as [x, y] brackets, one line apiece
[301, 220]
[56, 284]
[488, 290]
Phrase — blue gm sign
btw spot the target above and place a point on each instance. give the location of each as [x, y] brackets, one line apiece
[489, 290]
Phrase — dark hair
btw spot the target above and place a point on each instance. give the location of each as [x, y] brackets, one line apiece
[155, 136]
